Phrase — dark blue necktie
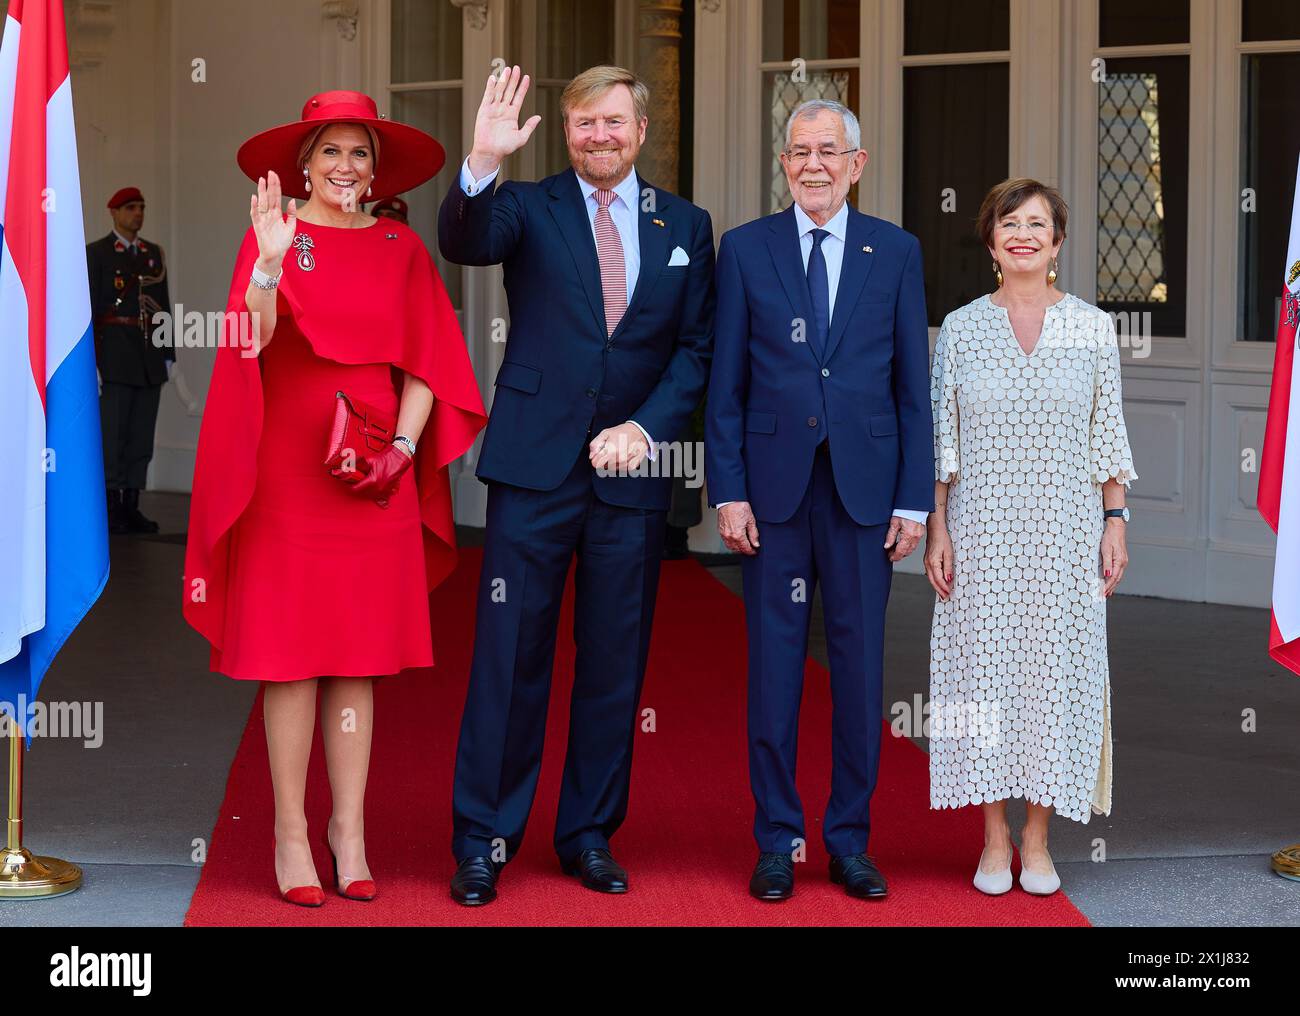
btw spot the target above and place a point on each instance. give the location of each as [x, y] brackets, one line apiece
[819, 288]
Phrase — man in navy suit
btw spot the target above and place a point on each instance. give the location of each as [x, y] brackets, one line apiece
[818, 441]
[610, 286]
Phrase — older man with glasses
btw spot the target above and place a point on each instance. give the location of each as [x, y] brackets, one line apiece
[819, 445]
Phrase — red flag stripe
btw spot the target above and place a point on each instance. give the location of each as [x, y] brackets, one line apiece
[24, 215]
[56, 49]
[1269, 497]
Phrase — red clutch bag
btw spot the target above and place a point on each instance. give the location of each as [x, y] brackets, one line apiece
[359, 431]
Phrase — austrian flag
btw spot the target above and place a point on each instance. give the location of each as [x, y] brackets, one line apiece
[1279, 473]
[53, 514]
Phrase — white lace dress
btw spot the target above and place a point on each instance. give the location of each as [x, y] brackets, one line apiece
[1019, 680]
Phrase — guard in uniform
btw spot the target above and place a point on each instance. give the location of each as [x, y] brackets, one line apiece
[391, 208]
[128, 286]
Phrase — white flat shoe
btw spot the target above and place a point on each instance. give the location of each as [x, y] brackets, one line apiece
[1039, 885]
[994, 883]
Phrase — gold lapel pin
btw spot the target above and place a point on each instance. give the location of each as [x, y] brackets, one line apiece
[866, 250]
[658, 222]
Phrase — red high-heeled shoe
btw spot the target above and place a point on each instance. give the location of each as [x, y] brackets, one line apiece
[357, 889]
[302, 895]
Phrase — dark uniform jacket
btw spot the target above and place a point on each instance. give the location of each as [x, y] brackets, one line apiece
[127, 287]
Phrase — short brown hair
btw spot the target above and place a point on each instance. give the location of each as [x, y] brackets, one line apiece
[596, 81]
[1009, 195]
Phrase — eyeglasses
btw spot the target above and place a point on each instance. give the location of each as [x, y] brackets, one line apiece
[1037, 226]
[828, 156]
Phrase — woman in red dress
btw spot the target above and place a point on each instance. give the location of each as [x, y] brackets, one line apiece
[297, 574]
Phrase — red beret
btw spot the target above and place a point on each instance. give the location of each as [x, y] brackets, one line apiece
[125, 195]
[390, 205]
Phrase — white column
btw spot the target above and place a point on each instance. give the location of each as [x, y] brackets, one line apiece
[340, 45]
[484, 311]
[1036, 111]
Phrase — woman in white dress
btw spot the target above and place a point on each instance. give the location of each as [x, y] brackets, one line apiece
[1026, 542]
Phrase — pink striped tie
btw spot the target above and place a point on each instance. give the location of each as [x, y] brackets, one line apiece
[613, 269]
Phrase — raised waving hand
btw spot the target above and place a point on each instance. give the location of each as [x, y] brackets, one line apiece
[274, 232]
[496, 128]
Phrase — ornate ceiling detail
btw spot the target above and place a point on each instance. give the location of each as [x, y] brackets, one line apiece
[475, 12]
[90, 23]
[344, 14]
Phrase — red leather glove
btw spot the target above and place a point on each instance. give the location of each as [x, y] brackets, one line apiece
[380, 481]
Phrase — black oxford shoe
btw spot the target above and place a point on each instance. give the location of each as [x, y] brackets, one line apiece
[598, 870]
[859, 876]
[117, 523]
[475, 882]
[773, 878]
[136, 521]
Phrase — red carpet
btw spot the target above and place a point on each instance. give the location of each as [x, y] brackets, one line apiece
[686, 843]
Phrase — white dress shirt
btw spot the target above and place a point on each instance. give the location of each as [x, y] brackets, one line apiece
[627, 196]
[833, 252]
[622, 210]
[832, 246]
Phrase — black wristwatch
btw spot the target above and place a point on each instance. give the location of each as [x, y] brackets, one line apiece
[1116, 513]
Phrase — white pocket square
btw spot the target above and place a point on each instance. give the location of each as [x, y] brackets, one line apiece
[678, 258]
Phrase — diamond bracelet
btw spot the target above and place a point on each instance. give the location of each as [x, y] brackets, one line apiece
[263, 281]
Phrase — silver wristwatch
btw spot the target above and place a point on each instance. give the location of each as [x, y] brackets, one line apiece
[410, 445]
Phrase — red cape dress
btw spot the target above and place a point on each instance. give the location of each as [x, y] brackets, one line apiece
[288, 574]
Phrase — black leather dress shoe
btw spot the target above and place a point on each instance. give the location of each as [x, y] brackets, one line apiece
[136, 521]
[117, 523]
[676, 544]
[859, 876]
[475, 882]
[773, 878]
[598, 870]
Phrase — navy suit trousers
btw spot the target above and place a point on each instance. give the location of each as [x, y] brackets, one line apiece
[532, 537]
[819, 543]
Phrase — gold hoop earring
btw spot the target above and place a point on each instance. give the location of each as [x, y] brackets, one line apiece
[307, 180]
[997, 273]
[1051, 274]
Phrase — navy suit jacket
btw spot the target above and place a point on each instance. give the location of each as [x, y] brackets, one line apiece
[772, 400]
[562, 378]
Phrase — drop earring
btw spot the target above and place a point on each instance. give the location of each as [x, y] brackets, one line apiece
[997, 273]
[306, 180]
[1051, 274]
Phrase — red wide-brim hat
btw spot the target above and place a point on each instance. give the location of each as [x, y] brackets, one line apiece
[407, 156]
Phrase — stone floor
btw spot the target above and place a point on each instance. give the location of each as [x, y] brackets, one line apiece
[1199, 802]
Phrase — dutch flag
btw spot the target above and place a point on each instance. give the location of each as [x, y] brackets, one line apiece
[53, 515]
